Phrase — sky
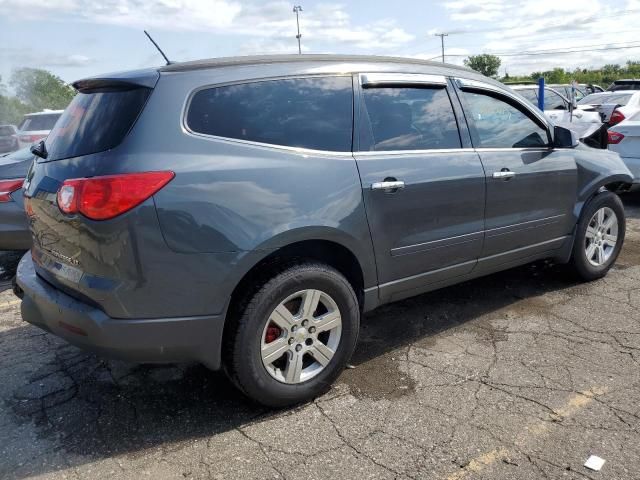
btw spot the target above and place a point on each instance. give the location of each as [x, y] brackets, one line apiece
[79, 38]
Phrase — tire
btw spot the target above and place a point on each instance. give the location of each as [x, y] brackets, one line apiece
[273, 380]
[588, 264]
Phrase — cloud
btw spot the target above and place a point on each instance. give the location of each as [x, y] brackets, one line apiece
[270, 21]
[28, 56]
[515, 27]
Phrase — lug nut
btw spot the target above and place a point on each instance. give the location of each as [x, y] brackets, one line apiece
[305, 323]
[291, 341]
[312, 330]
[298, 347]
[294, 328]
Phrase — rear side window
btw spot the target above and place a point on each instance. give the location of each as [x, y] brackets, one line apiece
[496, 123]
[315, 113]
[36, 123]
[401, 118]
[5, 131]
[95, 121]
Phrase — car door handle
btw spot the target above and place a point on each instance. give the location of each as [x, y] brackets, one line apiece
[387, 185]
[505, 175]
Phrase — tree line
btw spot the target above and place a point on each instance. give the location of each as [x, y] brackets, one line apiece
[490, 64]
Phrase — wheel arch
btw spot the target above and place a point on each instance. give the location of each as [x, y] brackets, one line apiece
[613, 183]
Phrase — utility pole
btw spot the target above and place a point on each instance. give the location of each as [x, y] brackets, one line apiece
[297, 9]
[442, 35]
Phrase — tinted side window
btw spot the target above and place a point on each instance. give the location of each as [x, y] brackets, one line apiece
[314, 113]
[400, 118]
[498, 124]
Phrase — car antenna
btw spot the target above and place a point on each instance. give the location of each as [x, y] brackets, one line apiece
[156, 45]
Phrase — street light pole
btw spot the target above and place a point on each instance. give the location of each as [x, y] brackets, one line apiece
[442, 35]
[297, 9]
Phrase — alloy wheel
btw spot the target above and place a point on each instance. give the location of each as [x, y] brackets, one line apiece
[601, 236]
[301, 336]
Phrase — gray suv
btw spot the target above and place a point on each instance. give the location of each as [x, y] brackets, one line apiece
[245, 212]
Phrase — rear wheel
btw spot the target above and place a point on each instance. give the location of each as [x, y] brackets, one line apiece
[599, 236]
[294, 336]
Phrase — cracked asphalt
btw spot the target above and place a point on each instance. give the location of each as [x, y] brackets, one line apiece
[520, 375]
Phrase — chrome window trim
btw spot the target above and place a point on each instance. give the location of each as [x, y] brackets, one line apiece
[514, 149]
[475, 84]
[369, 153]
[270, 146]
[372, 153]
[184, 126]
[372, 80]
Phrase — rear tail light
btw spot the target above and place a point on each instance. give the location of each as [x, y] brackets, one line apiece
[7, 187]
[616, 117]
[102, 198]
[614, 137]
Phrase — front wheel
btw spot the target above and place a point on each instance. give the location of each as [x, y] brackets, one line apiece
[294, 336]
[599, 236]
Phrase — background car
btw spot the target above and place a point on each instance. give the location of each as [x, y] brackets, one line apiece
[14, 229]
[8, 138]
[625, 139]
[36, 126]
[624, 84]
[613, 107]
[556, 106]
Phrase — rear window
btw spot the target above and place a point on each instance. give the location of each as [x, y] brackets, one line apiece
[35, 123]
[5, 131]
[603, 98]
[315, 113]
[95, 121]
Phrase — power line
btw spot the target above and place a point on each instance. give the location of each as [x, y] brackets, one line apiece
[545, 52]
[561, 37]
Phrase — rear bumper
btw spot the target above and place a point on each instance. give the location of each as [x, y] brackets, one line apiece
[138, 340]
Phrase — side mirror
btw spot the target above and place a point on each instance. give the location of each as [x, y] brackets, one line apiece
[564, 138]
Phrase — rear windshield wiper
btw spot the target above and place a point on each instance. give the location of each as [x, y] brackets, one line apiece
[40, 149]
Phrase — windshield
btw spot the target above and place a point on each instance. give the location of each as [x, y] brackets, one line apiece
[602, 98]
[95, 122]
[34, 123]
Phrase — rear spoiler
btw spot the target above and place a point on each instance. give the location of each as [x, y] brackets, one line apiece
[122, 80]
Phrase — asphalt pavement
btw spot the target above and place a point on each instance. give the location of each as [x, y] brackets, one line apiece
[520, 375]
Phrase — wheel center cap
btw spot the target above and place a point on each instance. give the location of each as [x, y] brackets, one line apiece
[300, 334]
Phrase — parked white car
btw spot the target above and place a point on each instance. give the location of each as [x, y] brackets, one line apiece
[556, 106]
[36, 126]
[614, 107]
[624, 138]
